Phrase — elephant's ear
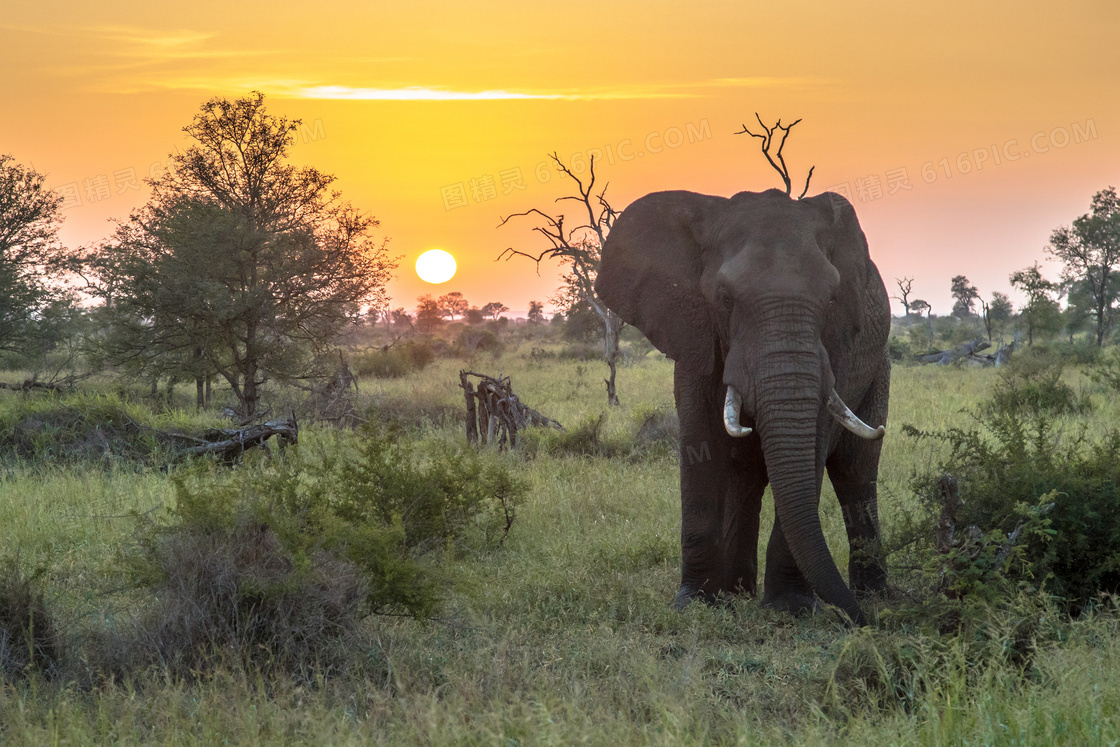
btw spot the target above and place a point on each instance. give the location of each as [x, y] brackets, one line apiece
[846, 247]
[650, 274]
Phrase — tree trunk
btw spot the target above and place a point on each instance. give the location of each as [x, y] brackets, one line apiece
[612, 329]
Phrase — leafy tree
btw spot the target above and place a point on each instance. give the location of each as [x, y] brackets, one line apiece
[919, 307]
[454, 304]
[997, 313]
[1090, 253]
[475, 316]
[428, 314]
[494, 309]
[536, 312]
[1000, 309]
[1041, 313]
[30, 255]
[966, 295]
[1078, 313]
[240, 264]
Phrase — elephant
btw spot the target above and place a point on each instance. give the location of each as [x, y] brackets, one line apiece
[777, 321]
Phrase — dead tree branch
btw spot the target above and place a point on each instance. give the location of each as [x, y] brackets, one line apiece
[767, 145]
[578, 248]
[494, 413]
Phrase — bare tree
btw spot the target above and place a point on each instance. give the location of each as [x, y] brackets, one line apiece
[579, 249]
[903, 297]
[767, 144]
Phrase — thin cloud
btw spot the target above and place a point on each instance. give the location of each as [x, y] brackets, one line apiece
[409, 93]
[423, 93]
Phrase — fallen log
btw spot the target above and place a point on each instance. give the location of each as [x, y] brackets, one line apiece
[969, 353]
[945, 357]
[231, 443]
[61, 385]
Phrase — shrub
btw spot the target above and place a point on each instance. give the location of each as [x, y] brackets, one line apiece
[1032, 383]
[1018, 461]
[29, 641]
[472, 341]
[274, 564]
[1107, 370]
[658, 427]
[900, 349]
[76, 428]
[394, 362]
[581, 352]
[225, 586]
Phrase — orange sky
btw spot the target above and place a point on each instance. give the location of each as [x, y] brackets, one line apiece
[410, 104]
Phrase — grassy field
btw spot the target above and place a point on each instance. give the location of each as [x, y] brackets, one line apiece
[564, 635]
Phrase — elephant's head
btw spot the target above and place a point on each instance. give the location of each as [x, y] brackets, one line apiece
[772, 291]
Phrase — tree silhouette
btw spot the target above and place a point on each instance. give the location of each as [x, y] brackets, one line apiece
[1090, 253]
[578, 248]
[454, 304]
[494, 309]
[240, 264]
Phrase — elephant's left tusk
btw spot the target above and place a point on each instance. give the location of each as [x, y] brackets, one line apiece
[731, 406]
[849, 420]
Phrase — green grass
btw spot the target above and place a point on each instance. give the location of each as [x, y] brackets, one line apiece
[564, 635]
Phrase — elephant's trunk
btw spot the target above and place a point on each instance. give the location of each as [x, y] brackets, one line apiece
[792, 381]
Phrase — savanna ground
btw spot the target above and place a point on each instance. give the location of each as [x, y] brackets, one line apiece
[563, 635]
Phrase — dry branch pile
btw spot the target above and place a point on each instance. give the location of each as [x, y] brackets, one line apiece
[969, 353]
[495, 414]
[330, 399]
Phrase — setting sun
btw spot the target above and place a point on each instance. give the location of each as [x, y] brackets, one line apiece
[435, 266]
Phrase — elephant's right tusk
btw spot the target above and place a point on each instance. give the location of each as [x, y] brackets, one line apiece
[731, 406]
[851, 421]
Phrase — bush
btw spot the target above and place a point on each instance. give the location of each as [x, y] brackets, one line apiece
[29, 641]
[393, 362]
[1032, 383]
[1009, 470]
[1107, 370]
[900, 349]
[77, 428]
[472, 341]
[227, 587]
[274, 564]
[658, 427]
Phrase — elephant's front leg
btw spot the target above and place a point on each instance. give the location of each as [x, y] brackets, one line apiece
[853, 469]
[742, 505]
[711, 493]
